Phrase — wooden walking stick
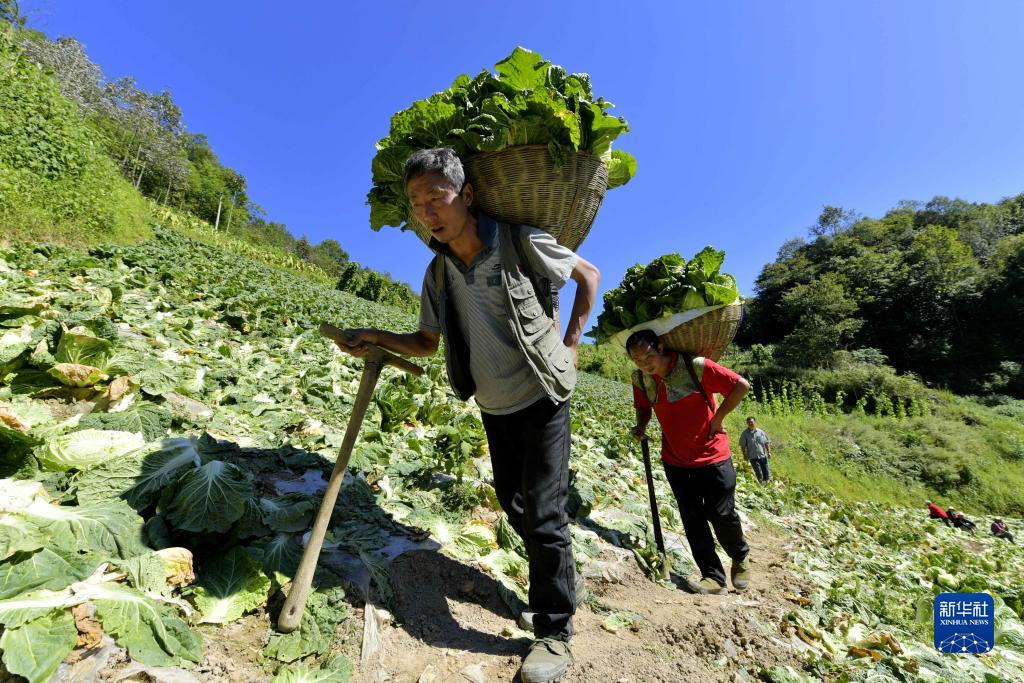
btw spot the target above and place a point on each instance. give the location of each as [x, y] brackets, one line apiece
[658, 539]
[295, 604]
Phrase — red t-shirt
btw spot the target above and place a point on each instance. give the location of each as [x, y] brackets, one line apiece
[935, 511]
[685, 423]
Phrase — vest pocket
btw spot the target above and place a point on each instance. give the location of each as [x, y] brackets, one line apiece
[561, 358]
[529, 309]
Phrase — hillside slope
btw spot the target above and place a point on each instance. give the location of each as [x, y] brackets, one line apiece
[171, 339]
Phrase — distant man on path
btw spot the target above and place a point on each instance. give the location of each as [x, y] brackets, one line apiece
[936, 512]
[1000, 530]
[489, 293]
[694, 451]
[757, 448]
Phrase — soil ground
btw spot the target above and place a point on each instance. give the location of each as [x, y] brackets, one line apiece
[449, 625]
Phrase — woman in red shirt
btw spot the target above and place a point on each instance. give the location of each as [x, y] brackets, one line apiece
[694, 450]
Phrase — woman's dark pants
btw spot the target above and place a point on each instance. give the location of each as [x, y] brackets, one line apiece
[706, 498]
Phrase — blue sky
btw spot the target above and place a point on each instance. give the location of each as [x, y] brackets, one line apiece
[746, 117]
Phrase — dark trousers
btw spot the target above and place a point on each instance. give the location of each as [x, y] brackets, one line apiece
[706, 498]
[530, 457]
[761, 469]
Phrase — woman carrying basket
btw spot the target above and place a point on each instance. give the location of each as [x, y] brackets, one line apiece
[694, 450]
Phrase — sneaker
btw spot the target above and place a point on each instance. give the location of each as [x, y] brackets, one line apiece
[524, 619]
[546, 662]
[709, 586]
[740, 573]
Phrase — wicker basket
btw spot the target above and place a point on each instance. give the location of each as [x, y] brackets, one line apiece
[520, 185]
[707, 335]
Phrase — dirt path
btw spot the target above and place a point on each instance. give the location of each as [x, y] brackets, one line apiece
[451, 626]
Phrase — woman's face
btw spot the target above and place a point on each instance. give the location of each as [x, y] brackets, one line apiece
[650, 359]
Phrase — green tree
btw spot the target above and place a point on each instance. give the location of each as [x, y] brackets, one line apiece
[832, 221]
[303, 249]
[10, 12]
[930, 280]
[826, 322]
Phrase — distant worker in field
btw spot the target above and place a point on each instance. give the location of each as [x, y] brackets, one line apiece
[960, 521]
[757, 448]
[1000, 530]
[694, 451]
[936, 512]
[490, 293]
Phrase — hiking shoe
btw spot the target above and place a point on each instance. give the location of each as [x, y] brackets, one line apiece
[740, 573]
[546, 662]
[524, 619]
[707, 586]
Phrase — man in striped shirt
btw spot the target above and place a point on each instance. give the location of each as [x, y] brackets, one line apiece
[499, 348]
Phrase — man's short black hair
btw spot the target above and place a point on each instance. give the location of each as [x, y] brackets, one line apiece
[441, 160]
[642, 337]
[751, 419]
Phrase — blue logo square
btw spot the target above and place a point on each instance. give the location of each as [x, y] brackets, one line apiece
[964, 623]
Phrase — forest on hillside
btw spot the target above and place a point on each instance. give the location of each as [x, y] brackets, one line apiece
[935, 289]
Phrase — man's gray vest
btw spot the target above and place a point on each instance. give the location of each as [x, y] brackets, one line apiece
[534, 321]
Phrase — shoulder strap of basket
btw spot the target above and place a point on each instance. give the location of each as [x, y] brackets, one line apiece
[688, 361]
[439, 279]
[542, 287]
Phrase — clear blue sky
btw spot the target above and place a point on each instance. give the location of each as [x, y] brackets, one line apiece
[746, 117]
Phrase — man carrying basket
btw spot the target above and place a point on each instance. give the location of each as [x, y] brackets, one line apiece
[695, 450]
[489, 292]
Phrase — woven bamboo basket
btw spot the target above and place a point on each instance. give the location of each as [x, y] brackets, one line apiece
[520, 185]
[707, 335]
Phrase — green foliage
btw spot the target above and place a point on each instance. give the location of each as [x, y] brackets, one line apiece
[337, 670]
[825, 323]
[325, 609]
[605, 360]
[528, 102]
[665, 286]
[370, 285]
[935, 288]
[229, 586]
[10, 12]
[37, 648]
[55, 182]
[60, 549]
[87, 448]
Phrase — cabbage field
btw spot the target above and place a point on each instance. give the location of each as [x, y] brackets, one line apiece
[168, 416]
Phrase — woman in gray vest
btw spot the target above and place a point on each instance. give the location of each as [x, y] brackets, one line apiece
[490, 293]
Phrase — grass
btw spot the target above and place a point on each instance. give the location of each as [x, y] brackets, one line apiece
[93, 207]
[942, 456]
[865, 433]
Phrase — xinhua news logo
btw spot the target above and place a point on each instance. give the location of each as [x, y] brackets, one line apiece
[964, 623]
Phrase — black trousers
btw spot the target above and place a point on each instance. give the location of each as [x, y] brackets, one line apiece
[530, 457]
[706, 498]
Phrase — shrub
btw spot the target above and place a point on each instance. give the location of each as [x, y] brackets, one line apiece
[56, 183]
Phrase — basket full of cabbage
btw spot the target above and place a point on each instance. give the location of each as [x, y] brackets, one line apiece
[535, 139]
[692, 306]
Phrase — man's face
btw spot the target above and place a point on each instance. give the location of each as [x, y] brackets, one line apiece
[650, 359]
[439, 207]
[751, 425]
